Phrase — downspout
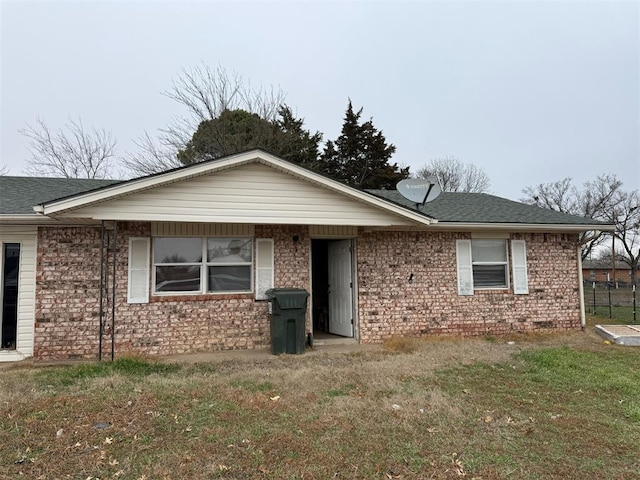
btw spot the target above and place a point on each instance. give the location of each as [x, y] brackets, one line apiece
[583, 318]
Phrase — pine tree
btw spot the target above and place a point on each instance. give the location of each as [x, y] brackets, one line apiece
[360, 156]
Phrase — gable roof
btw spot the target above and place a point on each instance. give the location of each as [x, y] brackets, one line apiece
[67, 206]
[61, 197]
[482, 208]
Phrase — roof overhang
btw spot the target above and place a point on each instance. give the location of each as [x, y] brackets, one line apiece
[58, 208]
[38, 219]
[524, 227]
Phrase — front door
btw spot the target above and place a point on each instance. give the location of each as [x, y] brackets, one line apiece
[340, 288]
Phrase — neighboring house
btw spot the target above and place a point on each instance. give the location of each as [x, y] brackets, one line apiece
[196, 248]
[600, 271]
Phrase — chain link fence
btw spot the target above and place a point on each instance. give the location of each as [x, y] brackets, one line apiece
[611, 301]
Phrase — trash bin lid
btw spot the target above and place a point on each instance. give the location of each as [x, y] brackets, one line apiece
[288, 298]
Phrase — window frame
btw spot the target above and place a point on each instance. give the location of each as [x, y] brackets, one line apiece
[204, 266]
[504, 264]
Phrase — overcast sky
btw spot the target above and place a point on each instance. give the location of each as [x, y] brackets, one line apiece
[530, 91]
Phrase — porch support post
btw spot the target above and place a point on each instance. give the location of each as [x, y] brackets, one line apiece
[101, 312]
[113, 290]
[583, 317]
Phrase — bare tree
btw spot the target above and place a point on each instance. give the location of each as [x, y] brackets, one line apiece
[456, 176]
[151, 157]
[71, 152]
[596, 199]
[205, 93]
[626, 238]
[4, 169]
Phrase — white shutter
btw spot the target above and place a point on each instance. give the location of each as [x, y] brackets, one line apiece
[138, 283]
[465, 267]
[264, 267]
[519, 263]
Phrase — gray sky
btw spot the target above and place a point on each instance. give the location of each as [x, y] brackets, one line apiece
[530, 91]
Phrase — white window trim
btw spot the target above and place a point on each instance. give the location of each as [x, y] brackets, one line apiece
[204, 271]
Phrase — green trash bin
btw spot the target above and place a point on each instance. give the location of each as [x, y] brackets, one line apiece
[287, 312]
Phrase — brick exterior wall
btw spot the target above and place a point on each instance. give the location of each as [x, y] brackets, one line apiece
[67, 294]
[67, 299]
[391, 304]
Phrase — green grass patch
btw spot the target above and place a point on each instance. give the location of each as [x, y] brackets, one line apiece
[128, 367]
[252, 385]
[619, 315]
[497, 411]
[548, 402]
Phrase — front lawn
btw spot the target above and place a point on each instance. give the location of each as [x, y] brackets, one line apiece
[564, 406]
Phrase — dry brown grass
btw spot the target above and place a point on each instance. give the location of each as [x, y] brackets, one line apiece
[394, 412]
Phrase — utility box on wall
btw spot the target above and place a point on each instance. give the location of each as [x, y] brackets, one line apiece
[287, 314]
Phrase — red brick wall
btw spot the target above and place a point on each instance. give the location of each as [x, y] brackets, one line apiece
[389, 304]
[67, 293]
[67, 298]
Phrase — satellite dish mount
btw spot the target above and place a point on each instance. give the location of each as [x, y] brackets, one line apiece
[420, 190]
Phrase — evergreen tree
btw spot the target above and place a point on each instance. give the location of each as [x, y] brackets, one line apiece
[236, 131]
[295, 143]
[360, 156]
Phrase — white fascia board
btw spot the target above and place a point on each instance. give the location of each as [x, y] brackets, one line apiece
[523, 227]
[43, 220]
[27, 219]
[60, 206]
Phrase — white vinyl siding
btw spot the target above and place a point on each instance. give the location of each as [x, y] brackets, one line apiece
[333, 231]
[138, 284]
[519, 265]
[264, 267]
[465, 268]
[251, 194]
[26, 237]
[183, 229]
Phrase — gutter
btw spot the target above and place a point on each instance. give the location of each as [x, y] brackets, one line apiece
[519, 227]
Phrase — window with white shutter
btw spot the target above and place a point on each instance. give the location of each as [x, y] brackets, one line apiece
[519, 265]
[138, 281]
[264, 267]
[465, 267]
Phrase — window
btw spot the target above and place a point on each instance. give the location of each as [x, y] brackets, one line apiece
[489, 261]
[484, 264]
[202, 265]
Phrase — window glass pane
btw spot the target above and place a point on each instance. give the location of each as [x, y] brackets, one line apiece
[490, 276]
[489, 250]
[177, 250]
[229, 279]
[229, 250]
[178, 279]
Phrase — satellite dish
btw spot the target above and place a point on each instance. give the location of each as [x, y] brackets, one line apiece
[420, 190]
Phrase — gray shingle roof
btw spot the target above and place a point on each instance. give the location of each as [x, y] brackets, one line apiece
[457, 207]
[18, 195]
